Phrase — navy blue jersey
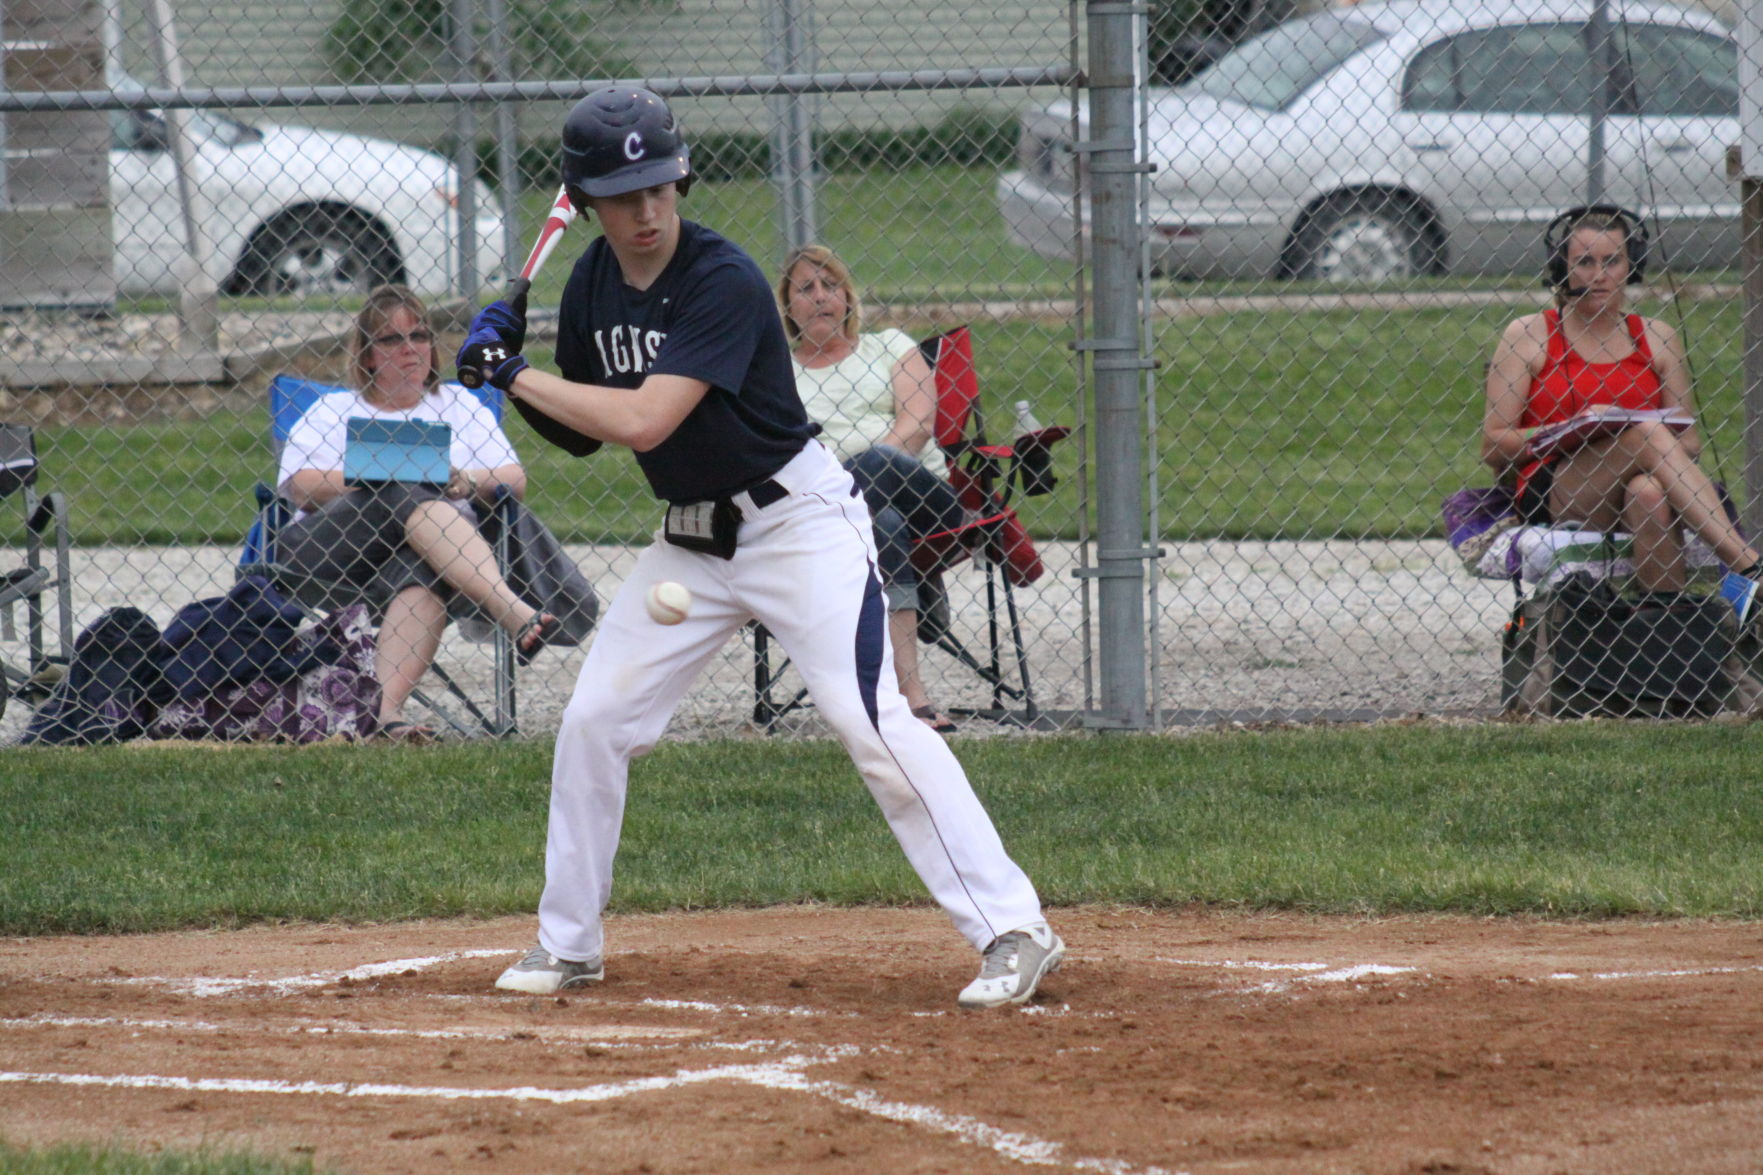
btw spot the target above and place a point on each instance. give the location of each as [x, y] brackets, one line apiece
[709, 316]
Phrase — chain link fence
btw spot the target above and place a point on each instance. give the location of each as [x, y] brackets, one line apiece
[1342, 215]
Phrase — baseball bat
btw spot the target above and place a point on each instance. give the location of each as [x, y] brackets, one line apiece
[562, 215]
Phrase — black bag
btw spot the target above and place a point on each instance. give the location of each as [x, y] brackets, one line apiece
[1579, 649]
[113, 688]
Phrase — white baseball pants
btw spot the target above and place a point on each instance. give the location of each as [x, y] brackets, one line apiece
[805, 569]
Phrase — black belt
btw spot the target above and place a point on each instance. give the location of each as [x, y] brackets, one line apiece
[766, 493]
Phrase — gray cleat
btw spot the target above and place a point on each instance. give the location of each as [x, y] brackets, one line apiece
[542, 973]
[1014, 964]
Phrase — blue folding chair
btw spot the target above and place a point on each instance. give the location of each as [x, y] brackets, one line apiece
[290, 398]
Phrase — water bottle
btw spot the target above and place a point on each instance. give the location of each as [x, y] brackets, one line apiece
[1034, 461]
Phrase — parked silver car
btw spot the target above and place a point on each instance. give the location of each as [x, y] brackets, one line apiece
[1418, 136]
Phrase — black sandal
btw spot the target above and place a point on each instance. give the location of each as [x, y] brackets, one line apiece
[411, 734]
[534, 635]
[937, 722]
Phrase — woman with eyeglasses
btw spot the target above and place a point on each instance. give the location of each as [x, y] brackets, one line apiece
[407, 549]
[1578, 363]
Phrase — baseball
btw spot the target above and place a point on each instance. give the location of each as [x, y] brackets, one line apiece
[668, 602]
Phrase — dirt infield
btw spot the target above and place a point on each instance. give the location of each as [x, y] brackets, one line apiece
[817, 1040]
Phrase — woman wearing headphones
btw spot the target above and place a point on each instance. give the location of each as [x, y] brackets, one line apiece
[1587, 357]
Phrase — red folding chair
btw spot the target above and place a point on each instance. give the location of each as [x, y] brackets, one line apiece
[986, 477]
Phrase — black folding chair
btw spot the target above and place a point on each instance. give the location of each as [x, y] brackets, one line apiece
[46, 536]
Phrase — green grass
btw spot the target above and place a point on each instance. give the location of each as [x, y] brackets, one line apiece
[1592, 819]
[1271, 424]
[93, 1160]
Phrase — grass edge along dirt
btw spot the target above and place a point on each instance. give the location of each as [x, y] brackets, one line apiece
[124, 1159]
[1572, 820]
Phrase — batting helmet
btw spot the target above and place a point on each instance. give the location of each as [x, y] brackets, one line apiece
[622, 139]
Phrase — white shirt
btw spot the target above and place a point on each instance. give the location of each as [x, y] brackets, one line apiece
[853, 399]
[316, 441]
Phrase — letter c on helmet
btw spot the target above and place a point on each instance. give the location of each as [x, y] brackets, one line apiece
[633, 146]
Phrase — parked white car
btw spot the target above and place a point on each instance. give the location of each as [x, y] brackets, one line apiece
[294, 211]
[1417, 136]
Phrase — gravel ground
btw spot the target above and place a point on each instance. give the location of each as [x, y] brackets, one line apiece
[1247, 632]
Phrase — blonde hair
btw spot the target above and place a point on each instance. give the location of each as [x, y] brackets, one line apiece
[376, 314]
[825, 260]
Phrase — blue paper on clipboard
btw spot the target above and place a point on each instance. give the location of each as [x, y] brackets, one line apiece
[415, 452]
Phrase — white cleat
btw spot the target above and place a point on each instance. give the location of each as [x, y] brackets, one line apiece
[542, 973]
[1014, 966]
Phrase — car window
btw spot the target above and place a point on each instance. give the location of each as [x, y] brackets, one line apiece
[1271, 70]
[143, 130]
[1525, 69]
[1681, 71]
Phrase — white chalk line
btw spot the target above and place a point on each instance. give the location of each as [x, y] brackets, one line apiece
[1243, 964]
[1309, 974]
[1316, 973]
[1021, 1148]
[528, 1093]
[1340, 975]
[598, 1034]
[1678, 973]
[784, 1074]
[207, 985]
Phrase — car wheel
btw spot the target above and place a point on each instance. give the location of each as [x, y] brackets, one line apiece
[1367, 237]
[317, 251]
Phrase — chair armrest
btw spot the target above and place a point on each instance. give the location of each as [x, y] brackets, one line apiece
[51, 509]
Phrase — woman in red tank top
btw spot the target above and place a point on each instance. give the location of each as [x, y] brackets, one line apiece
[1584, 356]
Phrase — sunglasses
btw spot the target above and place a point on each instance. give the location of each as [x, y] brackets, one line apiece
[421, 338]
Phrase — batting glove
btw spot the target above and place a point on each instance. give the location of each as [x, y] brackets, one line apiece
[485, 351]
[501, 318]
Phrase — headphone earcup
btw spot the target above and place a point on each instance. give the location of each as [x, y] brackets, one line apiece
[1556, 274]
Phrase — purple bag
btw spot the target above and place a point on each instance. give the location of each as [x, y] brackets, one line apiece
[337, 699]
[1474, 518]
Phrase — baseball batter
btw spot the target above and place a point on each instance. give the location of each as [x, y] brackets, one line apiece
[671, 344]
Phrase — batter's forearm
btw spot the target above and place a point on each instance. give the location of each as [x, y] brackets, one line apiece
[637, 418]
[606, 414]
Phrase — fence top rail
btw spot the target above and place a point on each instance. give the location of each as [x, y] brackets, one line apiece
[735, 85]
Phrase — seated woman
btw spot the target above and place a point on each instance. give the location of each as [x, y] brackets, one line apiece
[1585, 356]
[407, 548]
[874, 396]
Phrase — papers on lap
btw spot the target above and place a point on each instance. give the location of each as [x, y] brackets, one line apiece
[1571, 434]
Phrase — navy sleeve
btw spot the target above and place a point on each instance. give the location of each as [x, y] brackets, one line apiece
[716, 329]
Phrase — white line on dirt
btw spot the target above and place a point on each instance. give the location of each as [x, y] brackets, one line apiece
[1676, 974]
[1245, 964]
[1340, 975]
[597, 1034]
[527, 1093]
[203, 985]
[1021, 1148]
[782, 1074]
[736, 1009]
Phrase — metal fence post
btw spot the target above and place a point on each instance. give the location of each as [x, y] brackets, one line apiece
[198, 295]
[1117, 359]
[507, 133]
[464, 47]
[792, 132]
